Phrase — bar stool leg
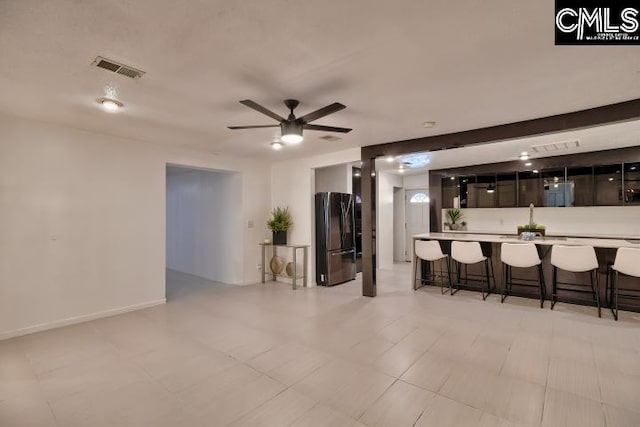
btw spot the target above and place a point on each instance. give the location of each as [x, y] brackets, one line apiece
[595, 288]
[554, 284]
[541, 283]
[486, 270]
[504, 290]
[614, 288]
[449, 274]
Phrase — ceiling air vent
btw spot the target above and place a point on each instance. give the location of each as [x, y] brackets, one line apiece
[330, 138]
[117, 67]
[555, 146]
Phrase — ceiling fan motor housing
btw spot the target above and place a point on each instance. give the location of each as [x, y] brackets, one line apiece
[291, 127]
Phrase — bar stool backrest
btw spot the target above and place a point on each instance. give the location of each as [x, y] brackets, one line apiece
[519, 254]
[429, 250]
[628, 261]
[574, 258]
[466, 252]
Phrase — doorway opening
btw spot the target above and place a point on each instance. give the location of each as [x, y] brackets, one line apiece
[202, 229]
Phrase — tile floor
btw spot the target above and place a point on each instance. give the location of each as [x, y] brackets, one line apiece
[265, 355]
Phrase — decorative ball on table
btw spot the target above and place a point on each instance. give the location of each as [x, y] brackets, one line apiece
[276, 264]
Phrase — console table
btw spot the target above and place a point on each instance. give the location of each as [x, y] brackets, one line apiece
[294, 250]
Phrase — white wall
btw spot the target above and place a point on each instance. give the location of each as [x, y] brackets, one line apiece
[82, 222]
[384, 217]
[293, 185]
[595, 221]
[338, 178]
[414, 182]
[202, 225]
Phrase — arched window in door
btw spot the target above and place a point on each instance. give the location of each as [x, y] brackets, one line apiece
[419, 198]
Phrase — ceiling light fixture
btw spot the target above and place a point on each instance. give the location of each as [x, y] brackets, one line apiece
[452, 178]
[524, 156]
[610, 179]
[401, 168]
[633, 168]
[110, 105]
[373, 174]
[291, 132]
[491, 188]
[428, 124]
[276, 145]
[356, 174]
[528, 164]
[390, 159]
[535, 171]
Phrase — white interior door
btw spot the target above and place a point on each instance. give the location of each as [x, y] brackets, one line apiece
[416, 216]
[398, 224]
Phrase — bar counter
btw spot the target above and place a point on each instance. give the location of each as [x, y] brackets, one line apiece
[605, 251]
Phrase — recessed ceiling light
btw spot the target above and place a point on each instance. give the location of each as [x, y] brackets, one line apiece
[390, 159]
[610, 179]
[109, 104]
[428, 124]
[524, 156]
[401, 168]
[452, 178]
[535, 171]
[356, 174]
[528, 164]
[633, 168]
[373, 174]
[276, 145]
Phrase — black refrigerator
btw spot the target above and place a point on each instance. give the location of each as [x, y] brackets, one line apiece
[335, 239]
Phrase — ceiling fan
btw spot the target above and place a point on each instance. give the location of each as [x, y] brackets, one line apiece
[292, 126]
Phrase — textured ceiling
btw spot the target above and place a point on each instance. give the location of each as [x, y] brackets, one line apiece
[394, 64]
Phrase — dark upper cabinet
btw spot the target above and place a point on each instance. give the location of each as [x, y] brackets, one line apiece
[607, 189]
[529, 188]
[632, 183]
[449, 191]
[506, 187]
[580, 180]
[557, 192]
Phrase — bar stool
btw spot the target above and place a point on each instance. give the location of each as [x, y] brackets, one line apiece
[471, 253]
[430, 251]
[521, 255]
[628, 263]
[576, 259]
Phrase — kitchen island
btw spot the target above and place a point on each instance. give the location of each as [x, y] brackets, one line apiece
[605, 251]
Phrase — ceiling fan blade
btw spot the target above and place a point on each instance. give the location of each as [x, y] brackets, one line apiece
[327, 128]
[251, 104]
[254, 127]
[324, 111]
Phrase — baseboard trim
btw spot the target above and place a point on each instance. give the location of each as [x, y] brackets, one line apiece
[78, 319]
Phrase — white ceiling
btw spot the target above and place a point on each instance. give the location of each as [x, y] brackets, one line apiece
[394, 64]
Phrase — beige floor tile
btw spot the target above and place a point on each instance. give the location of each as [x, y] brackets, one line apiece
[574, 377]
[367, 351]
[405, 353]
[444, 412]
[487, 354]
[527, 364]
[506, 397]
[345, 386]
[235, 403]
[620, 390]
[399, 329]
[400, 405]
[26, 412]
[490, 420]
[430, 371]
[282, 410]
[323, 416]
[89, 377]
[570, 410]
[17, 378]
[618, 417]
[202, 393]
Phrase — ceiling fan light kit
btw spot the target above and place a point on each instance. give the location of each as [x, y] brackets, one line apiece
[292, 127]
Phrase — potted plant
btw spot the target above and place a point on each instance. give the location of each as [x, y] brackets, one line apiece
[279, 224]
[454, 218]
